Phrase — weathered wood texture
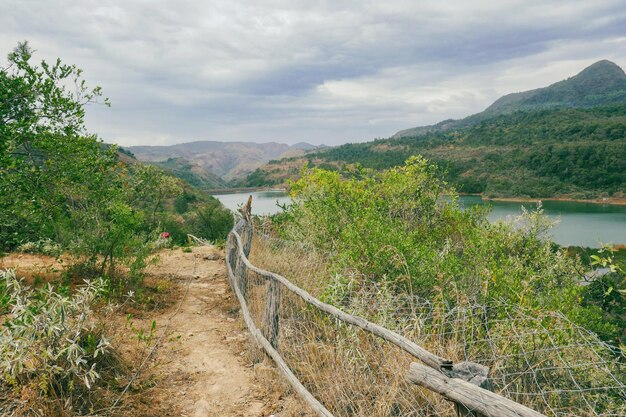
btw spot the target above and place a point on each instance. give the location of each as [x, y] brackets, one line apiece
[271, 316]
[245, 230]
[402, 342]
[473, 397]
[267, 346]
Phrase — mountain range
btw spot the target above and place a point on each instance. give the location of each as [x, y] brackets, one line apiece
[567, 139]
[213, 164]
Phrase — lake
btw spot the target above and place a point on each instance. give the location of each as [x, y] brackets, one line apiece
[580, 224]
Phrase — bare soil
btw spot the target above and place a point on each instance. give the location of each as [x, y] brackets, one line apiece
[202, 366]
[31, 266]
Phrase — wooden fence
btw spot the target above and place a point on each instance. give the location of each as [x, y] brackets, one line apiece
[466, 383]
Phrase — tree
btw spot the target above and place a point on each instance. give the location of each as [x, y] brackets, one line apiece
[46, 156]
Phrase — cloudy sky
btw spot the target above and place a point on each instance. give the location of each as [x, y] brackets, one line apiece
[318, 71]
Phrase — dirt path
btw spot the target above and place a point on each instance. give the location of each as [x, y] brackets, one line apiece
[201, 364]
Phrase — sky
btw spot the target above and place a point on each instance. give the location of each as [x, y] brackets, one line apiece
[324, 72]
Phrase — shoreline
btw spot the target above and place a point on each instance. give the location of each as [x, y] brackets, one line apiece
[598, 201]
[244, 190]
[609, 201]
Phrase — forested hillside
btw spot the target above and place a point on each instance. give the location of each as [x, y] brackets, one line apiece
[577, 153]
[600, 84]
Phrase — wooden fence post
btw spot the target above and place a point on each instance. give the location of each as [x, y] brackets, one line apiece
[232, 256]
[246, 233]
[271, 314]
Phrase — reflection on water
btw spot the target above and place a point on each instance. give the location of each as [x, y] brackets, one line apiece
[580, 224]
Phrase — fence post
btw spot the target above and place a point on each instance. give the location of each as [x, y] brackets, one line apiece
[270, 316]
[246, 233]
[232, 257]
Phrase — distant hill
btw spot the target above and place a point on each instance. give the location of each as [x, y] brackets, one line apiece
[600, 84]
[576, 153]
[218, 163]
[565, 140]
[192, 173]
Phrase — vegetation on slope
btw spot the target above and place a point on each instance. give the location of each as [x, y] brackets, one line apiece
[600, 84]
[191, 173]
[394, 229]
[211, 164]
[576, 153]
[62, 188]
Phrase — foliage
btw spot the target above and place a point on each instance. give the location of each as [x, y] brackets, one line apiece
[608, 293]
[403, 229]
[545, 153]
[50, 342]
[46, 247]
[60, 184]
[209, 221]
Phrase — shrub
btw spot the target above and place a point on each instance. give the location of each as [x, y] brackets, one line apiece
[45, 247]
[403, 229]
[50, 343]
[210, 221]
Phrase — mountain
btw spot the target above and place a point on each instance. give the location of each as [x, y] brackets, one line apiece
[216, 162]
[602, 83]
[194, 174]
[564, 140]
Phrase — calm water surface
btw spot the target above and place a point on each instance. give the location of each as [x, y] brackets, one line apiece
[580, 224]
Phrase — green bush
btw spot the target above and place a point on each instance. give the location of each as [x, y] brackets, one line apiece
[210, 221]
[403, 228]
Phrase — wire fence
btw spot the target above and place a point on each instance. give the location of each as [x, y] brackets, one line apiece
[538, 359]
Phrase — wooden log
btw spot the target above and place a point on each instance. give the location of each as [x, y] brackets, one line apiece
[472, 397]
[403, 343]
[315, 405]
[270, 316]
[241, 276]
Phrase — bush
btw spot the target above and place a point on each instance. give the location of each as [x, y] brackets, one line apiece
[45, 247]
[210, 221]
[51, 343]
[403, 229]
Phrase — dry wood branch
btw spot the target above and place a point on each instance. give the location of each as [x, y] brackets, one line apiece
[266, 345]
[470, 395]
[403, 343]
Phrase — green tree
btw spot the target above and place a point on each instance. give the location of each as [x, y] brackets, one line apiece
[46, 156]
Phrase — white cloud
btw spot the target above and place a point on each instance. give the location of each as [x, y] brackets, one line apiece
[326, 72]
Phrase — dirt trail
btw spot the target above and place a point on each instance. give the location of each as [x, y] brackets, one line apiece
[202, 366]
[201, 363]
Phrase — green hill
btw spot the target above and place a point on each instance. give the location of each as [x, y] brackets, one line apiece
[564, 140]
[578, 153]
[600, 84]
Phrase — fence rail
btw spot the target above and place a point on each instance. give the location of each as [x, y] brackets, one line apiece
[464, 383]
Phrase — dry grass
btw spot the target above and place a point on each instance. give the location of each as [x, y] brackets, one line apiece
[540, 360]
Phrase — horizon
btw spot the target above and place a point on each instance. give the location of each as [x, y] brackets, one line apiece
[321, 74]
